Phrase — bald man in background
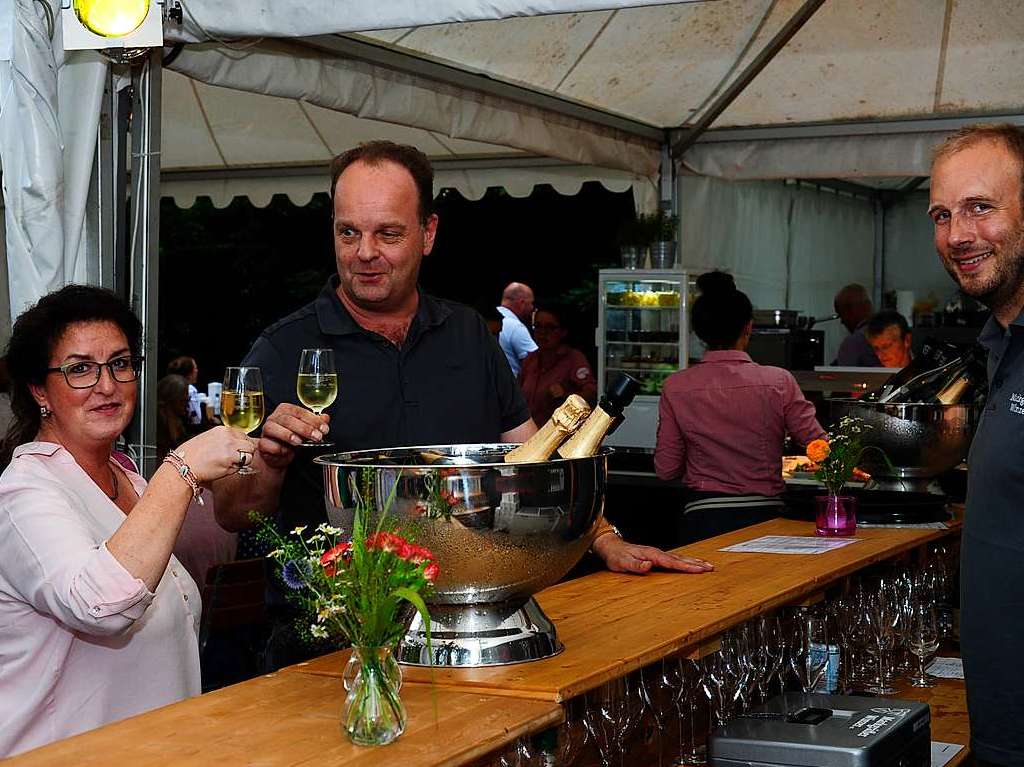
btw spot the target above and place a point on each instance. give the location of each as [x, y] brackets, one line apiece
[517, 315]
[853, 305]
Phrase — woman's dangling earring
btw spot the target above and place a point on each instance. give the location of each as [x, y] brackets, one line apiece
[44, 411]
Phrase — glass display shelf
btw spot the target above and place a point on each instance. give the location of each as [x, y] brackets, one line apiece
[643, 343]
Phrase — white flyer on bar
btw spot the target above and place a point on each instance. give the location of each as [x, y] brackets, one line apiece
[790, 544]
[942, 753]
[946, 668]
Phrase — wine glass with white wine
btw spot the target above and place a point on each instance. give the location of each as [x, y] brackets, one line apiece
[241, 402]
[317, 384]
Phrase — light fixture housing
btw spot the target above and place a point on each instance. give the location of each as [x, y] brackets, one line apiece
[117, 24]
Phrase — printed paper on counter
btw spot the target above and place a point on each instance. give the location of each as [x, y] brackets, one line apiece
[790, 544]
[947, 668]
[908, 526]
[943, 753]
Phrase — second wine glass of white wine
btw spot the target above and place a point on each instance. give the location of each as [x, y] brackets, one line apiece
[317, 383]
[241, 402]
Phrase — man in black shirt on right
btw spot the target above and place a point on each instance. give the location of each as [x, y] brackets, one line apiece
[977, 207]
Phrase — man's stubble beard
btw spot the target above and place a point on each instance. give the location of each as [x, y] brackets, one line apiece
[1007, 283]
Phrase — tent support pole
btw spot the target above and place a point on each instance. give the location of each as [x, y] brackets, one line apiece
[144, 243]
[668, 193]
[109, 189]
[879, 254]
[747, 76]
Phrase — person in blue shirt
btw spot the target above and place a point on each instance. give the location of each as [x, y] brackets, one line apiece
[517, 315]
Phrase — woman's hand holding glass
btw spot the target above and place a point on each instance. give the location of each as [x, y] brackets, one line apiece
[216, 453]
[241, 406]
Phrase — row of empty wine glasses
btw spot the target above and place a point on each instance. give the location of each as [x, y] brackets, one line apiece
[881, 625]
[891, 622]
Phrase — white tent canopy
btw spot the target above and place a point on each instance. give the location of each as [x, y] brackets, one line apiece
[598, 84]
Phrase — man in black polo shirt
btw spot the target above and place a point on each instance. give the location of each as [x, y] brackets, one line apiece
[412, 369]
[977, 206]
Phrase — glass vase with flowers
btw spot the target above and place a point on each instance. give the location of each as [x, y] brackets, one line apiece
[836, 459]
[358, 591]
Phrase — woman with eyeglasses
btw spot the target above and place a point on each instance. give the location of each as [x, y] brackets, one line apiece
[97, 620]
[555, 370]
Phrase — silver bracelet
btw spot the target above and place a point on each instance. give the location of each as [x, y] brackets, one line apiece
[183, 470]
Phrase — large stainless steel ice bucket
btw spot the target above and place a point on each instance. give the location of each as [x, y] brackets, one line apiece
[922, 440]
[501, 532]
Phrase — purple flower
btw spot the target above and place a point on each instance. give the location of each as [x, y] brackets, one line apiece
[296, 573]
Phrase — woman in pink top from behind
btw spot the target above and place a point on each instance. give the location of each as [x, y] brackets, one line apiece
[97, 620]
[722, 422]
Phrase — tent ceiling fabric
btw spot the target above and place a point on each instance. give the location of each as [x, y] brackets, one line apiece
[657, 64]
[210, 128]
[903, 154]
[853, 60]
[205, 20]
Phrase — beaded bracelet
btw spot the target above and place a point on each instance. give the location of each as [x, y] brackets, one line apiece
[182, 469]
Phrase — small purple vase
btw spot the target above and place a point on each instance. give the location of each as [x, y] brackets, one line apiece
[836, 515]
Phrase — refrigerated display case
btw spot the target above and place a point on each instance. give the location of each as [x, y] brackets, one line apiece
[643, 330]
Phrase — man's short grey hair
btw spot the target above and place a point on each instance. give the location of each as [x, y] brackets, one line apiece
[1010, 136]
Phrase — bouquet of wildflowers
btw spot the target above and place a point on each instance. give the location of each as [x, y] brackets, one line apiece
[355, 589]
[838, 455]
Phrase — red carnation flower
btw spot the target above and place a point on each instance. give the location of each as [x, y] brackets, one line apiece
[419, 554]
[385, 542]
[430, 572]
[330, 558]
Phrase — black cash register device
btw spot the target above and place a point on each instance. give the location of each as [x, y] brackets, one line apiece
[812, 730]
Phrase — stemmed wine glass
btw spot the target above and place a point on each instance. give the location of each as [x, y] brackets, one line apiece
[923, 636]
[317, 384]
[692, 676]
[660, 684]
[774, 649]
[612, 718]
[809, 653]
[241, 404]
[881, 615]
[572, 735]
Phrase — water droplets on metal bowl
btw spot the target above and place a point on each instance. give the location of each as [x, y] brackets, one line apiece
[922, 440]
[501, 532]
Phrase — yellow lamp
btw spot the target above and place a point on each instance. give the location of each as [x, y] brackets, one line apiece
[111, 18]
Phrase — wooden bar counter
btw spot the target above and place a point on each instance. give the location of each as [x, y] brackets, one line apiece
[610, 624]
[291, 719]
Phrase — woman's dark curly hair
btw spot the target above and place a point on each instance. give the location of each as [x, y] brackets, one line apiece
[36, 333]
[721, 312]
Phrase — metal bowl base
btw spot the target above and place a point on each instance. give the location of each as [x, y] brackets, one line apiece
[493, 634]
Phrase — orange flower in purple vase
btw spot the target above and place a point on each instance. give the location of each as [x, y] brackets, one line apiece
[818, 450]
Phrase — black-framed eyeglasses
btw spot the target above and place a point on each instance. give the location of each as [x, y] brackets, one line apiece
[84, 374]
